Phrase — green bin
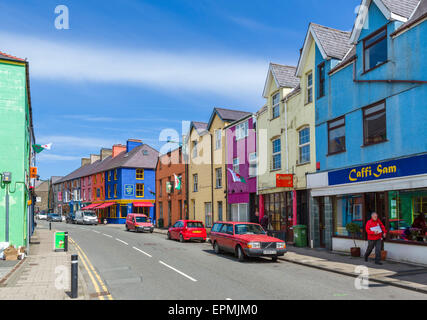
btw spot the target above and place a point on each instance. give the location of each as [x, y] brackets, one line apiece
[300, 236]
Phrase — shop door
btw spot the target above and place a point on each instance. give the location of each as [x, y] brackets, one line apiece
[322, 222]
[375, 202]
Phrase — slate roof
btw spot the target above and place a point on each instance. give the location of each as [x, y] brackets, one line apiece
[6, 56]
[285, 75]
[227, 115]
[349, 56]
[418, 15]
[335, 43]
[403, 8]
[142, 156]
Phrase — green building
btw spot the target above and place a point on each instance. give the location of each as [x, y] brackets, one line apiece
[16, 152]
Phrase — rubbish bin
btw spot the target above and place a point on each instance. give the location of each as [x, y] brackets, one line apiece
[300, 236]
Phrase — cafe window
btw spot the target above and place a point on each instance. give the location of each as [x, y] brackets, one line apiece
[375, 49]
[304, 146]
[140, 190]
[336, 136]
[140, 174]
[276, 105]
[277, 154]
[374, 124]
[321, 71]
[407, 216]
[348, 209]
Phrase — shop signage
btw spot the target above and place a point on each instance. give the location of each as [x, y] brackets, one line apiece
[284, 180]
[59, 241]
[380, 171]
[33, 172]
[129, 190]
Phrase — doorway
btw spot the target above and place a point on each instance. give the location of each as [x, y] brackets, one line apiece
[322, 227]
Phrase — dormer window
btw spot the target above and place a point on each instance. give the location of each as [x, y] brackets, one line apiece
[276, 105]
[375, 49]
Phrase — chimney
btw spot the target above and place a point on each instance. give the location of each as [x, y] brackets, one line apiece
[105, 153]
[132, 143]
[94, 158]
[85, 161]
[117, 149]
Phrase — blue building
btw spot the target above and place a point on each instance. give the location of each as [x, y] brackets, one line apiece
[130, 182]
[371, 133]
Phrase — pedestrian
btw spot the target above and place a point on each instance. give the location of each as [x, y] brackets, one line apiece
[264, 222]
[255, 219]
[376, 232]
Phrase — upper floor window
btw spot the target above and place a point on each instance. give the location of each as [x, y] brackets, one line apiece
[276, 105]
[277, 154]
[140, 174]
[139, 190]
[218, 136]
[374, 124]
[253, 164]
[195, 152]
[309, 90]
[304, 145]
[160, 188]
[115, 174]
[375, 49]
[195, 183]
[115, 191]
[218, 174]
[109, 175]
[236, 165]
[336, 136]
[242, 130]
[321, 72]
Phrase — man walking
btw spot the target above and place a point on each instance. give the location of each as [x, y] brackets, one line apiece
[376, 231]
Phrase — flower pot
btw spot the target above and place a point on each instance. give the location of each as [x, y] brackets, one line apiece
[355, 252]
[383, 255]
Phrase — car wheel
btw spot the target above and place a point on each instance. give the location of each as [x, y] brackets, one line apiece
[239, 253]
[203, 241]
[181, 238]
[216, 248]
[274, 259]
[169, 236]
[127, 228]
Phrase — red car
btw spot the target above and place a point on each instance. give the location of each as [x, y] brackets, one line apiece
[139, 223]
[185, 230]
[245, 240]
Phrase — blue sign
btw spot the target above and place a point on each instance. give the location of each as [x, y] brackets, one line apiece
[380, 170]
[129, 190]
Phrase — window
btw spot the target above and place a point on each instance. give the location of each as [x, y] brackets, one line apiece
[374, 124]
[239, 212]
[253, 164]
[109, 191]
[140, 174]
[236, 165]
[375, 49]
[115, 174]
[321, 71]
[216, 227]
[94, 179]
[220, 210]
[242, 130]
[348, 209]
[160, 210]
[195, 152]
[336, 136]
[276, 105]
[160, 188]
[115, 191]
[277, 155]
[218, 136]
[208, 214]
[195, 183]
[309, 93]
[140, 190]
[304, 146]
[218, 174]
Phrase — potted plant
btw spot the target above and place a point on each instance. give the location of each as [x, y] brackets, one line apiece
[353, 229]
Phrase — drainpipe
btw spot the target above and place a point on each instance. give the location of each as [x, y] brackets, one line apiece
[286, 135]
[212, 179]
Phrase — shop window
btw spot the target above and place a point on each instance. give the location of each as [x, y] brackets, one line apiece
[140, 174]
[239, 212]
[123, 211]
[348, 209]
[276, 105]
[374, 124]
[375, 49]
[336, 136]
[139, 190]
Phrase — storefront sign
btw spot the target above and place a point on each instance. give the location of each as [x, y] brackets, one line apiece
[33, 172]
[129, 190]
[59, 241]
[380, 171]
[284, 180]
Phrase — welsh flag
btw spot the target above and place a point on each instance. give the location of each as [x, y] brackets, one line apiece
[236, 177]
[40, 147]
[151, 191]
[177, 182]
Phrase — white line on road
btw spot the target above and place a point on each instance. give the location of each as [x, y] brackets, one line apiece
[107, 235]
[122, 241]
[176, 270]
[96, 231]
[148, 255]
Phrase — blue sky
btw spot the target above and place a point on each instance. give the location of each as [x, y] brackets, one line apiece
[131, 68]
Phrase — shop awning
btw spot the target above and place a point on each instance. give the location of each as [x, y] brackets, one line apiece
[105, 205]
[91, 206]
[143, 204]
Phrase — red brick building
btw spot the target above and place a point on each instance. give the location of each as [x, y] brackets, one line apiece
[171, 203]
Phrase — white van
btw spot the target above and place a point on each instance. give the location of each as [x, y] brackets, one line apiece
[86, 217]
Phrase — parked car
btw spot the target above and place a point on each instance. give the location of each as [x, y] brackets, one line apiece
[245, 240]
[187, 230]
[42, 216]
[70, 218]
[53, 217]
[139, 223]
[86, 217]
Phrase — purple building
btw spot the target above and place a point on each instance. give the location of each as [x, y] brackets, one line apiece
[242, 169]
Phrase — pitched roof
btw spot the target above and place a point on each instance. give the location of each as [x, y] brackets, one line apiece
[419, 14]
[142, 156]
[351, 54]
[403, 8]
[226, 115]
[284, 76]
[335, 43]
[201, 128]
[6, 56]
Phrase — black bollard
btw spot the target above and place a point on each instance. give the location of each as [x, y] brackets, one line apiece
[50, 225]
[74, 276]
[66, 241]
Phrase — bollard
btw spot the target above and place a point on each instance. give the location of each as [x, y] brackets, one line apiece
[74, 276]
[66, 241]
[50, 225]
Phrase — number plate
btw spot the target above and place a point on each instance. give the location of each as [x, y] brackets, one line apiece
[270, 252]
[197, 231]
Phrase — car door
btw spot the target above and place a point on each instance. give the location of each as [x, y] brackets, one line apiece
[173, 231]
[222, 236]
[229, 238]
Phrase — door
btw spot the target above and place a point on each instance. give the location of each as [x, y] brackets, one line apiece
[229, 238]
[322, 227]
[222, 236]
[169, 213]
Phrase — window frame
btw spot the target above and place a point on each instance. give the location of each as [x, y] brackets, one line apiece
[366, 47]
[274, 154]
[364, 116]
[253, 164]
[274, 106]
[115, 190]
[236, 164]
[218, 140]
[300, 146]
[218, 178]
[309, 87]
[136, 190]
[115, 174]
[138, 175]
[321, 69]
[195, 152]
[195, 182]
[334, 128]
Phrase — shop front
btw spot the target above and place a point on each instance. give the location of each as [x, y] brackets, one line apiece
[396, 190]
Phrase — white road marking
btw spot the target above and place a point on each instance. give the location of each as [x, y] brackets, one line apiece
[228, 299]
[107, 235]
[96, 231]
[122, 241]
[148, 255]
[176, 270]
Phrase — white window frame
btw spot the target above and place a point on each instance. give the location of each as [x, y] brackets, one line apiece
[242, 130]
[300, 146]
[278, 153]
[275, 106]
[253, 164]
[236, 165]
[195, 182]
[218, 138]
[309, 90]
[195, 151]
[218, 179]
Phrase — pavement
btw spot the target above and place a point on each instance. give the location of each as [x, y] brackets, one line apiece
[148, 266]
[43, 275]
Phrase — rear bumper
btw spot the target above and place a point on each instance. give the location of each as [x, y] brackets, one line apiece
[260, 252]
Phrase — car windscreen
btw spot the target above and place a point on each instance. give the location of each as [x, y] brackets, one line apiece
[248, 229]
[89, 214]
[141, 219]
[194, 225]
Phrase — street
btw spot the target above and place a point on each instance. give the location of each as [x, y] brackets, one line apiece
[148, 266]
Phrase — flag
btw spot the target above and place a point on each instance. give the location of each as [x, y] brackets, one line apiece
[237, 177]
[39, 148]
[151, 191]
[177, 182]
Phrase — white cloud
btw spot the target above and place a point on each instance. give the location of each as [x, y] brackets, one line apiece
[76, 142]
[45, 157]
[210, 72]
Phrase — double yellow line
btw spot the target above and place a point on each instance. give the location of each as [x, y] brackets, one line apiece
[92, 273]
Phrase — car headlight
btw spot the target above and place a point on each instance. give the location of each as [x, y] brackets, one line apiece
[254, 245]
[280, 245]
